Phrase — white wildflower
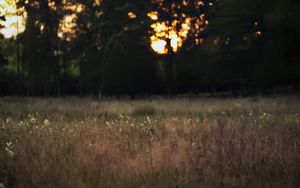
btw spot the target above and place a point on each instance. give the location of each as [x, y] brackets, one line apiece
[148, 119]
[9, 144]
[33, 120]
[9, 149]
[46, 122]
[8, 120]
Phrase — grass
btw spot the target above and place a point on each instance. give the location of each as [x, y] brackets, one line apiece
[145, 110]
[205, 142]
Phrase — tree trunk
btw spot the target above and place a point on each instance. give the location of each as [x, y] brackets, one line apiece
[169, 72]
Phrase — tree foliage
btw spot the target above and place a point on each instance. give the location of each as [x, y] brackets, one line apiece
[93, 47]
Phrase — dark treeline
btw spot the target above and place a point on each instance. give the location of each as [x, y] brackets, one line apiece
[248, 46]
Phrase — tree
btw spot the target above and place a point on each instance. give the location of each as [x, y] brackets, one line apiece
[2, 60]
[257, 39]
[127, 66]
[175, 22]
[38, 40]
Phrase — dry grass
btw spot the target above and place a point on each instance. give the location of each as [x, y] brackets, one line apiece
[249, 142]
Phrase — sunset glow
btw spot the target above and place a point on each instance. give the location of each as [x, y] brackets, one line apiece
[177, 30]
[131, 15]
[163, 32]
[67, 26]
[15, 18]
[172, 33]
[153, 15]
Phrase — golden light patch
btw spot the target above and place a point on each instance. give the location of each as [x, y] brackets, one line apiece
[258, 33]
[159, 46]
[78, 8]
[153, 15]
[131, 15]
[15, 19]
[97, 3]
[171, 34]
[163, 31]
[67, 27]
[52, 5]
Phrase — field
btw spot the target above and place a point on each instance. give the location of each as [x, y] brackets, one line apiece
[179, 142]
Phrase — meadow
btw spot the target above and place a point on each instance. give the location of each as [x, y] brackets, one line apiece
[158, 142]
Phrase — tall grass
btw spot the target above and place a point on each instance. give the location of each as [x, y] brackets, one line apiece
[159, 143]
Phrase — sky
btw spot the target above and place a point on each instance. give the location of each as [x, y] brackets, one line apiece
[14, 23]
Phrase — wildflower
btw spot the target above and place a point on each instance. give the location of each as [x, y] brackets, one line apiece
[33, 120]
[148, 119]
[9, 144]
[8, 120]
[46, 122]
[9, 150]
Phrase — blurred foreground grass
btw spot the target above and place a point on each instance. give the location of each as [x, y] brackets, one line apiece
[205, 142]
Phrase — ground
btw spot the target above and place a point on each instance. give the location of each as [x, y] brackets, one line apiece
[178, 142]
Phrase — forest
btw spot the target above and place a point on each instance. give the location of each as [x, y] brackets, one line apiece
[149, 93]
[148, 47]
